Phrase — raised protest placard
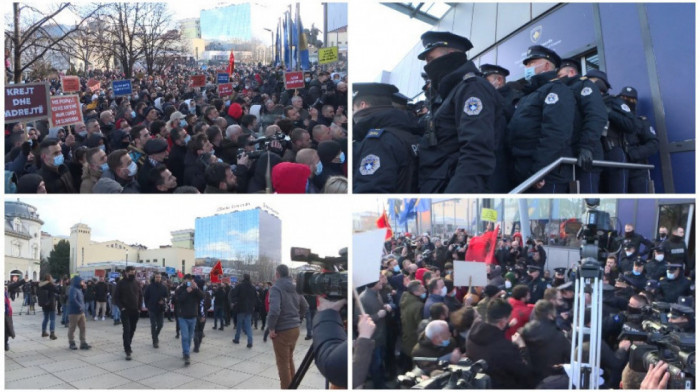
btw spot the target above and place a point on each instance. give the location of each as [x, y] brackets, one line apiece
[93, 85]
[225, 89]
[121, 87]
[489, 215]
[65, 110]
[293, 80]
[26, 102]
[198, 80]
[367, 251]
[470, 273]
[328, 55]
[222, 78]
[70, 84]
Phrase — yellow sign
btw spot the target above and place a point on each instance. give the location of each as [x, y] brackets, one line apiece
[328, 55]
[489, 215]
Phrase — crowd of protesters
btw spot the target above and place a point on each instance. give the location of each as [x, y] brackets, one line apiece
[168, 136]
[520, 323]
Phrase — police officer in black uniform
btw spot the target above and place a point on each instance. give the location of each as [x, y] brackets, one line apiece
[541, 129]
[663, 236]
[676, 251]
[537, 284]
[386, 150]
[627, 257]
[590, 120]
[621, 122]
[636, 277]
[457, 152]
[655, 267]
[682, 317]
[640, 145]
[674, 284]
[559, 277]
[637, 240]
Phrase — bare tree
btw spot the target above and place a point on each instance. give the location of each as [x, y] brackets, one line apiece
[38, 31]
[124, 27]
[160, 39]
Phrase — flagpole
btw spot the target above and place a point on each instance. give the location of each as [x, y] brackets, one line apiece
[299, 32]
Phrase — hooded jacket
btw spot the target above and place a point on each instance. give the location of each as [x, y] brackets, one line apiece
[548, 346]
[76, 301]
[411, 315]
[287, 307]
[290, 177]
[53, 292]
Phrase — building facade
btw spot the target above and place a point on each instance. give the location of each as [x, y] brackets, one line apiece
[22, 241]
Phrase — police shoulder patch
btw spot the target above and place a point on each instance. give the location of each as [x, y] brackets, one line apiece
[551, 99]
[652, 130]
[586, 91]
[374, 133]
[625, 107]
[473, 106]
[369, 165]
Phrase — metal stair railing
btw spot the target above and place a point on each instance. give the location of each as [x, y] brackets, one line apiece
[535, 178]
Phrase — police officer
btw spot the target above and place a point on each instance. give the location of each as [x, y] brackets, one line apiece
[386, 151]
[637, 240]
[559, 277]
[682, 317]
[640, 145]
[457, 152]
[621, 122]
[675, 249]
[627, 258]
[541, 129]
[590, 119]
[674, 284]
[537, 284]
[655, 267]
[663, 236]
[636, 277]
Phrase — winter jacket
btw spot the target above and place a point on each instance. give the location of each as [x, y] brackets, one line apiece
[432, 299]
[245, 296]
[154, 293]
[127, 295]
[101, 290]
[76, 301]
[521, 312]
[425, 348]
[411, 315]
[547, 344]
[287, 307]
[53, 292]
[188, 302]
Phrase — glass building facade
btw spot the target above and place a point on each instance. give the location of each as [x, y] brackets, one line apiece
[240, 239]
[215, 24]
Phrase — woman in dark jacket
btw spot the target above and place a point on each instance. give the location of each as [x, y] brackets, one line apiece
[49, 291]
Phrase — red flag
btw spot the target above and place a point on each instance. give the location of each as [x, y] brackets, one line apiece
[216, 272]
[229, 70]
[483, 247]
[383, 222]
[180, 275]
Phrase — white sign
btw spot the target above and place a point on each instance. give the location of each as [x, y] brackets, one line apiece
[367, 251]
[466, 269]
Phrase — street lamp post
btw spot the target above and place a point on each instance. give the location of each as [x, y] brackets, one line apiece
[272, 44]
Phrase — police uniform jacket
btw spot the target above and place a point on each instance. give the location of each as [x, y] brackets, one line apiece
[467, 126]
[655, 269]
[676, 252]
[670, 290]
[643, 143]
[621, 121]
[590, 117]
[638, 240]
[511, 96]
[541, 129]
[385, 160]
[537, 287]
[637, 281]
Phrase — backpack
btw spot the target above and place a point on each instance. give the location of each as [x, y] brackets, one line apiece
[44, 298]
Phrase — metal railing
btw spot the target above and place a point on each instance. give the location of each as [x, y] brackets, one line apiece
[535, 178]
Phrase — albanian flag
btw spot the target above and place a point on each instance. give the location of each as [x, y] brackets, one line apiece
[216, 272]
[229, 70]
[383, 222]
[483, 247]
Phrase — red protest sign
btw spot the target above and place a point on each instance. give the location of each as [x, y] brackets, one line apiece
[70, 84]
[93, 85]
[65, 110]
[26, 102]
[199, 80]
[293, 80]
[225, 89]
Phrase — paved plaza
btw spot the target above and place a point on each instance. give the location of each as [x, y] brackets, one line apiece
[34, 362]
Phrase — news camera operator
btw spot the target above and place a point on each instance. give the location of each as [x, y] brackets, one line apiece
[330, 342]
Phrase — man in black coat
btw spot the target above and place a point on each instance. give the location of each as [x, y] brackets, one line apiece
[640, 145]
[219, 306]
[101, 290]
[128, 297]
[189, 298]
[176, 161]
[246, 297]
[547, 344]
[508, 365]
[57, 177]
[541, 129]
[457, 152]
[156, 296]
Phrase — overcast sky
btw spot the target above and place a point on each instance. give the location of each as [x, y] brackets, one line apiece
[320, 223]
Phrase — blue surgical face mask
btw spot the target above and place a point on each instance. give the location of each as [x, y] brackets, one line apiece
[670, 275]
[183, 123]
[636, 273]
[396, 268]
[422, 296]
[443, 292]
[188, 138]
[104, 167]
[58, 160]
[342, 157]
[529, 72]
[132, 169]
[445, 343]
[102, 147]
[319, 168]
[82, 133]
[133, 114]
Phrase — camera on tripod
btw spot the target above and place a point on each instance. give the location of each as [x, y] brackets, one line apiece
[596, 233]
[465, 374]
[331, 282]
[677, 349]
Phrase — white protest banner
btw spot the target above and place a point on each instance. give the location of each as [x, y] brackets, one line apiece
[367, 251]
[464, 270]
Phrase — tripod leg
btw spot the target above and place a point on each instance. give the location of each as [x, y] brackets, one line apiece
[303, 368]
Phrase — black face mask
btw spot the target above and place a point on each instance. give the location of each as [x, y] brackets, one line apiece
[629, 234]
[131, 277]
[662, 236]
[443, 65]
[676, 238]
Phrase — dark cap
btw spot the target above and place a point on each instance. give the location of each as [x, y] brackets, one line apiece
[639, 261]
[155, 146]
[400, 99]
[540, 52]
[488, 69]
[596, 73]
[674, 265]
[652, 284]
[658, 249]
[443, 39]
[373, 89]
[571, 63]
[628, 91]
[686, 301]
[533, 267]
[681, 310]
[560, 270]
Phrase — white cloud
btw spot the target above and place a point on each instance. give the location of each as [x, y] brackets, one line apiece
[218, 247]
[249, 236]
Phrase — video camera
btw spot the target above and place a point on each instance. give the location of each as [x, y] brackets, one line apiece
[597, 234]
[263, 144]
[331, 282]
[465, 374]
[677, 349]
